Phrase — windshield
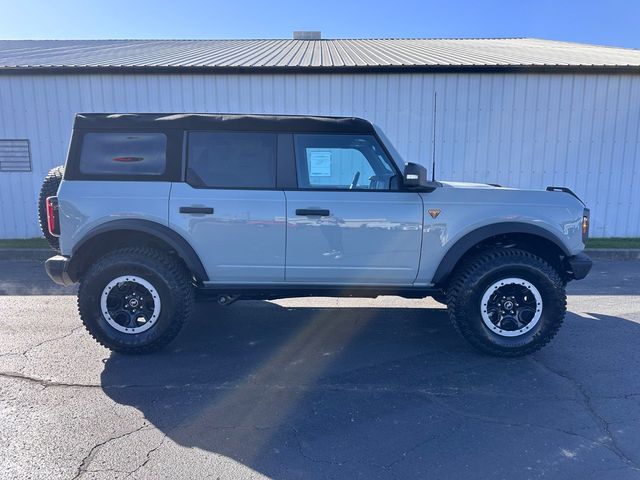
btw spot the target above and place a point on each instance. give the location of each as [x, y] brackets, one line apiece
[397, 158]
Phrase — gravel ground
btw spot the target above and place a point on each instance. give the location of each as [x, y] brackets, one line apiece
[319, 388]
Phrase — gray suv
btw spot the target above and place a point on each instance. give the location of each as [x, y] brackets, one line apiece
[152, 211]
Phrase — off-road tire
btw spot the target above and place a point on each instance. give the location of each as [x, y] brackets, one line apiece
[475, 275]
[167, 274]
[49, 188]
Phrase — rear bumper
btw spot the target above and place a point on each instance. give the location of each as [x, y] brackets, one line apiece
[58, 270]
[579, 266]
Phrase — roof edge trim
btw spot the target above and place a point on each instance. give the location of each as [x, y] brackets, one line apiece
[252, 70]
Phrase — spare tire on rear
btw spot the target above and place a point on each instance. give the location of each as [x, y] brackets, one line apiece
[49, 189]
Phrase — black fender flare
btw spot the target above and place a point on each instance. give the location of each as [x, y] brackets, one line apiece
[468, 241]
[172, 238]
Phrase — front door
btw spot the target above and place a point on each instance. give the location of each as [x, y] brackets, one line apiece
[229, 209]
[346, 222]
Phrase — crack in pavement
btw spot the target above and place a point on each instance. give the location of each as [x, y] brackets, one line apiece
[44, 382]
[494, 421]
[626, 396]
[8, 354]
[296, 436]
[446, 391]
[148, 456]
[403, 456]
[49, 340]
[88, 458]
[25, 353]
[603, 424]
[437, 396]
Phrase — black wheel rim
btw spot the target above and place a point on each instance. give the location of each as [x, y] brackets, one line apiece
[511, 307]
[130, 304]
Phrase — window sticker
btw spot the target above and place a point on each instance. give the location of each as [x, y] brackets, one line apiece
[319, 163]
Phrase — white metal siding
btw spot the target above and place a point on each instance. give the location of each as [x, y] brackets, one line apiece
[520, 130]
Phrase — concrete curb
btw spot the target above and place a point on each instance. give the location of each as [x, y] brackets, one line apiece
[614, 253]
[41, 254]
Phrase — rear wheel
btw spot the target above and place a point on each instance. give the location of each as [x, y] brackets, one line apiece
[135, 300]
[507, 302]
[49, 188]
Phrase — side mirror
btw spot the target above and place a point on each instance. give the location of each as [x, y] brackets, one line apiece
[415, 175]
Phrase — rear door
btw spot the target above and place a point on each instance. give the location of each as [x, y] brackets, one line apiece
[229, 208]
[347, 222]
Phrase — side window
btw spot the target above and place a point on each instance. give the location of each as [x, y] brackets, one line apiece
[107, 153]
[231, 160]
[342, 162]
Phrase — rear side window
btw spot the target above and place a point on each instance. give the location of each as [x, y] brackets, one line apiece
[231, 160]
[108, 153]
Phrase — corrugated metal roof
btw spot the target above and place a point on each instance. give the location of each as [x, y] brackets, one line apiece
[348, 54]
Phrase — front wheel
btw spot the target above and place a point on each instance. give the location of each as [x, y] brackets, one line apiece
[135, 300]
[507, 302]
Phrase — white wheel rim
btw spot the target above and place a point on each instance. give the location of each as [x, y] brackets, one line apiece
[150, 322]
[488, 309]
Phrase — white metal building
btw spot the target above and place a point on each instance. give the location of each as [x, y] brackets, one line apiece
[519, 112]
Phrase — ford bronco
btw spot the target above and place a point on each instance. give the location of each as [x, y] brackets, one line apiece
[152, 211]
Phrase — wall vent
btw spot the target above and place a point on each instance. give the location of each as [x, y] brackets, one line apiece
[15, 156]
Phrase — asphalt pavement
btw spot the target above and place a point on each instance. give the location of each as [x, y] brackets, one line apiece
[319, 388]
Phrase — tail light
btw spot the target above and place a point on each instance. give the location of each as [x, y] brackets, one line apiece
[53, 217]
[585, 224]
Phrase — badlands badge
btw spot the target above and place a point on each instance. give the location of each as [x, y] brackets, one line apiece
[434, 212]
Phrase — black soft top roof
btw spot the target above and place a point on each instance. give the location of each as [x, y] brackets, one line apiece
[223, 121]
